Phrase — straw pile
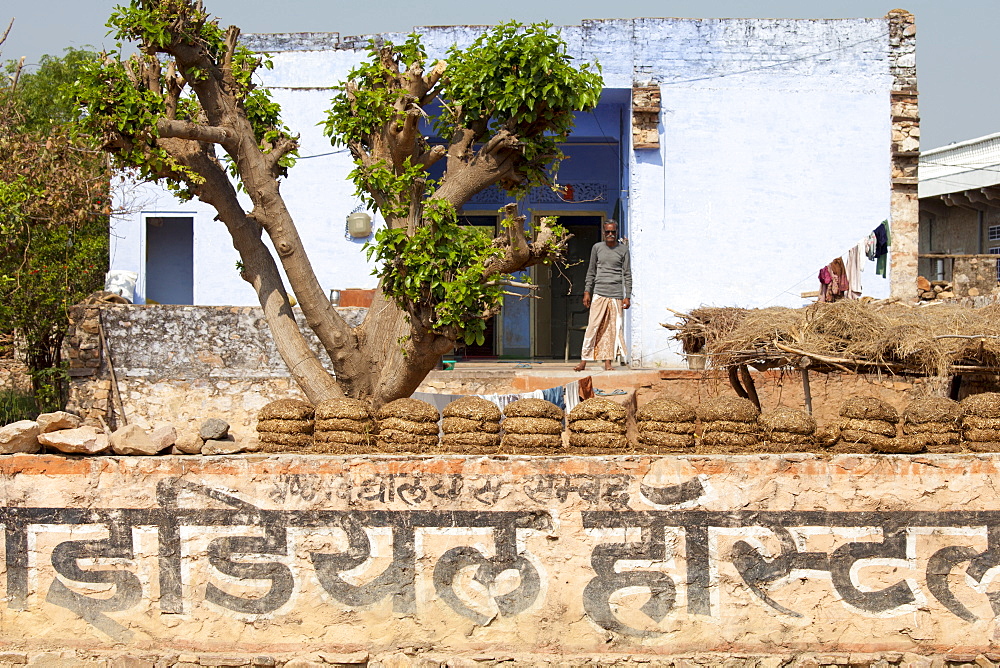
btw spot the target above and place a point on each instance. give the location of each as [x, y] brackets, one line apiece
[981, 422]
[848, 334]
[666, 425]
[787, 429]
[597, 423]
[471, 422]
[867, 421]
[728, 423]
[407, 425]
[933, 424]
[343, 424]
[532, 423]
[285, 425]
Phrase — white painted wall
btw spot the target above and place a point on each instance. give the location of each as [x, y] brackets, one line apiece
[774, 158]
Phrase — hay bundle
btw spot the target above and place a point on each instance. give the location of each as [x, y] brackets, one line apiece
[728, 423]
[285, 425]
[868, 408]
[932, 424]
[532, 423]
[981, 422]
[343, 424]
[597, 423]
[407, 425]
[666, 425]
[473, 408]
[786, 429]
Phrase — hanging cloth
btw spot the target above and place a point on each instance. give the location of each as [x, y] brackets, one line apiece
[882, 242]
[854, 269]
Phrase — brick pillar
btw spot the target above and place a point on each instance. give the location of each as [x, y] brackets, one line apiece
[904, 209]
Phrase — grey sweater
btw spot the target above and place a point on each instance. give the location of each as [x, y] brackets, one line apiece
[610, 271]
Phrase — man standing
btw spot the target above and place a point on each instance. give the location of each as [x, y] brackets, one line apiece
[607, 293]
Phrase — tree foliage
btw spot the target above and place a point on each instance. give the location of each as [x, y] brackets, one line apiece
[187, 111]
[53, 215]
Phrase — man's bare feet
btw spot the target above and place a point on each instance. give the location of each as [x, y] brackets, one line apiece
[607, 365]
[580, 367]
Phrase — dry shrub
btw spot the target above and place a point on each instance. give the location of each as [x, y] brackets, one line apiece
[879, 333]
[286, 426]
[345, 424]
[409, 409]
[728, 409]
[532, 425]
[729, 426]
[597, 427]
[785, 419]
[461, 425]
[666, 427]
[286, 409]
[611, 441]
[515, 441]
[597, 408]
[409, 426]
[880, 427]
[533, 408]
[665, 410]
[868, 408]
[343, 408]
[472, 408]
[932, 409]
[985, 405]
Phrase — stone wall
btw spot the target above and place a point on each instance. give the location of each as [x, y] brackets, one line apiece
[761, 560]
[178, 364]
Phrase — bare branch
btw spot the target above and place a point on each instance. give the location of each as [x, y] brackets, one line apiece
[194, 131]
[232, 37]
[284, 146]
[7, 31]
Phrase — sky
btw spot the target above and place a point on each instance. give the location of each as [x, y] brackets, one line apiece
[958, 53]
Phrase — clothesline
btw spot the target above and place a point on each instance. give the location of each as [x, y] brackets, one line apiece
[565, 396]
[838, 280]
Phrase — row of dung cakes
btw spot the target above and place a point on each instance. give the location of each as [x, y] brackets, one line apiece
[470, 424]
[722, 424]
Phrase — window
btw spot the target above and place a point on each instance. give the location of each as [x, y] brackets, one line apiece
[994, 234]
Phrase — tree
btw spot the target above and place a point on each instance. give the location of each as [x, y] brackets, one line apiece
[53, 216]
[507, 102]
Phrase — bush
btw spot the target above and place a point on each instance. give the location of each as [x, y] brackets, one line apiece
[16, 406]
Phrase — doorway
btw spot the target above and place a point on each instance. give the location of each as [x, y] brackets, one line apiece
[169, 260]
[560, 318]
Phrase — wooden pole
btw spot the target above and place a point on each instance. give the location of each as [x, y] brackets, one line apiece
[748, 383]
[806, 391]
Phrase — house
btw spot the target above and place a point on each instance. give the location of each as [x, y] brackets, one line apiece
[960, 214]
[740, 155]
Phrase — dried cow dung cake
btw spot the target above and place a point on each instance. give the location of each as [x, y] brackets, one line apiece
[665, 410]
[728, 422]
[598, 423]
[868, 408]
[880, 427]
[597, 408]
[784, 429]
[407, 425]
[984, 405]
[533, 408]
[343, 422]
[471, 422]
[411, 409]
[727, 408]
[285, 425]
[933, 424]
[472, 408]
[532, 423]
[666, 425]
[981, 422]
